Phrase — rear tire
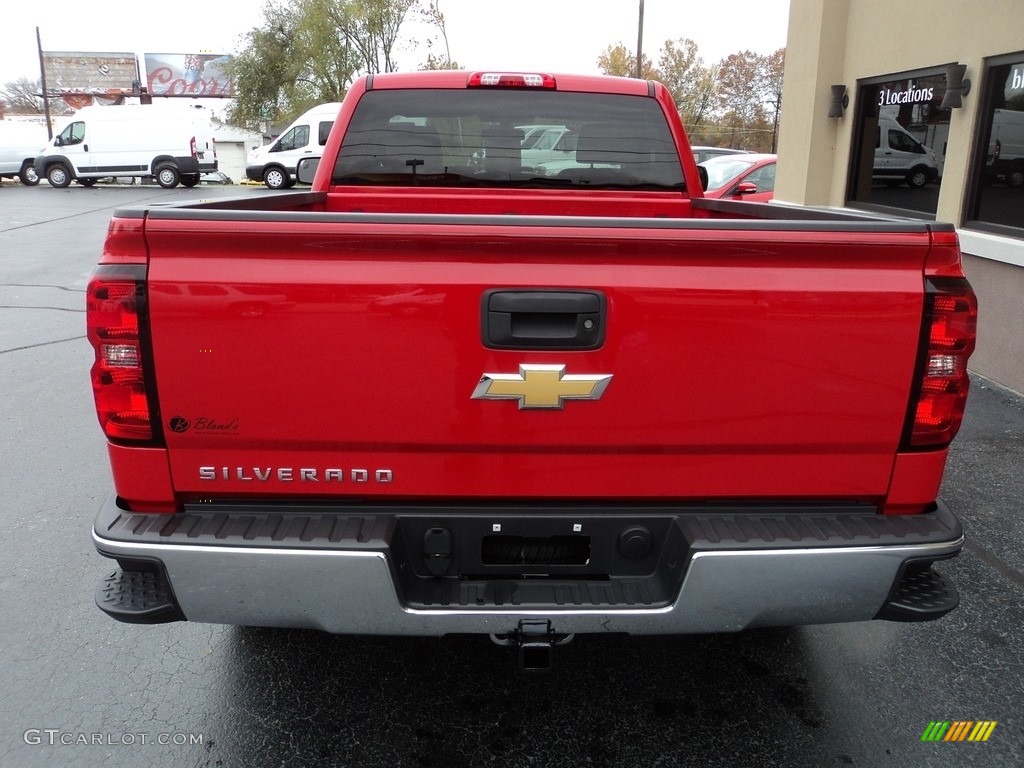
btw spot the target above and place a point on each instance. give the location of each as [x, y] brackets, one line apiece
[58, 175]
[1015, 177]
[87, 182]
[167, 176]
[190, 179]
[28, 175]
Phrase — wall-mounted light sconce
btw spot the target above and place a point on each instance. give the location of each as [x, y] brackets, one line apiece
[956, 87]
[840, 101]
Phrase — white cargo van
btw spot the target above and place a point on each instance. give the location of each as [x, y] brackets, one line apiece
[275, 163]
[20, 142]
[171, 142]
[900, 157]
[1006, 147]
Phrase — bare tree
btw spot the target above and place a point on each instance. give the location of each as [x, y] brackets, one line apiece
[739, 91]
[433, 16]
[773, 66]
[25, 97]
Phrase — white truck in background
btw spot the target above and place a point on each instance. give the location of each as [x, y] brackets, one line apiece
[900, 157]
[172, 143]
[275, 163]
[20, 142]
[1006, 147]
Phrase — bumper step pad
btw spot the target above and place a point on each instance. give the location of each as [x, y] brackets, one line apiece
[138, 597]
[922, 594]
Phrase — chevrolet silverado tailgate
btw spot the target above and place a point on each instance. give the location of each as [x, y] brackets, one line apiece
[353, 355]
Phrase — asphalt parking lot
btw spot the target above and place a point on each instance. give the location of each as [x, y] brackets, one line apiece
[77, 689]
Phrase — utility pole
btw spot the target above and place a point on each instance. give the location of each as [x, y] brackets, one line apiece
[640, 44]
[42, 79]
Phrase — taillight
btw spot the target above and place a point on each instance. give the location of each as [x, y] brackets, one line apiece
[115, 313]
[192, 147]
[510, 80]
[948, 339]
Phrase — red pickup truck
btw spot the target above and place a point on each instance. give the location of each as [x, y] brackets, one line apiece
[447, 391]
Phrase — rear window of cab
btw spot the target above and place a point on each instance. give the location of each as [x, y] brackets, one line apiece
[474, 137]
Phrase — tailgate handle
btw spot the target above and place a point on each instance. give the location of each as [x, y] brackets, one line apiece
[528, 319]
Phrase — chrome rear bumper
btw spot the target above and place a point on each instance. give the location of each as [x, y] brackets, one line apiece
[356, 579]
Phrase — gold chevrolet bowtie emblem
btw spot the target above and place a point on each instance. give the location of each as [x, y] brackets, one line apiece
[541, 386]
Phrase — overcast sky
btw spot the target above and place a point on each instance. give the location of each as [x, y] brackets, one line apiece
[541, 35]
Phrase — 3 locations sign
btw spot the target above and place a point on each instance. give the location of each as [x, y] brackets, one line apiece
[189, 74]
[910, 94]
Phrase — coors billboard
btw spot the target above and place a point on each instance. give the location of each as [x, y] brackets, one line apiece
[188, 74]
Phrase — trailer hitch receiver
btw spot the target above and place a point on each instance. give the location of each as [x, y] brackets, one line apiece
[534, 641]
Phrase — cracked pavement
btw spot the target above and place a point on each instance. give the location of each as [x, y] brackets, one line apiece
[857, 694]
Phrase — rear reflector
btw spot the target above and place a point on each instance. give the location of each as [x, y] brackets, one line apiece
[114, 307]
[950, 332]
[510, 80]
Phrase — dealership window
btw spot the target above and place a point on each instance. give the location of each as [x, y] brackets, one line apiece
[899, 143]
[996, 198]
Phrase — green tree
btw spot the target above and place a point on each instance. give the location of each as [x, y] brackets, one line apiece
[263, 72]
[368, 27]
[311, 51]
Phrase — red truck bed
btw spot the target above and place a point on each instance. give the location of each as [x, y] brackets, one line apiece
[529, 402]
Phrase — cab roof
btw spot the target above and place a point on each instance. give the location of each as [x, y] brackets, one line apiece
[460, 79]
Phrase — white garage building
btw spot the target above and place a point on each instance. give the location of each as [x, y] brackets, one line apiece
[233, 145]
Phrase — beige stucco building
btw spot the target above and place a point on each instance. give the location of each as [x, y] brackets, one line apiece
[901, 146]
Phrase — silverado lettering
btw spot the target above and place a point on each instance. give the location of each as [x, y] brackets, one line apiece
[288, 474]
[763, 396]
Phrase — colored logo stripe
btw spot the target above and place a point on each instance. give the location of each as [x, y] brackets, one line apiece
[959, 730]
[935, 731]
[982, 730]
